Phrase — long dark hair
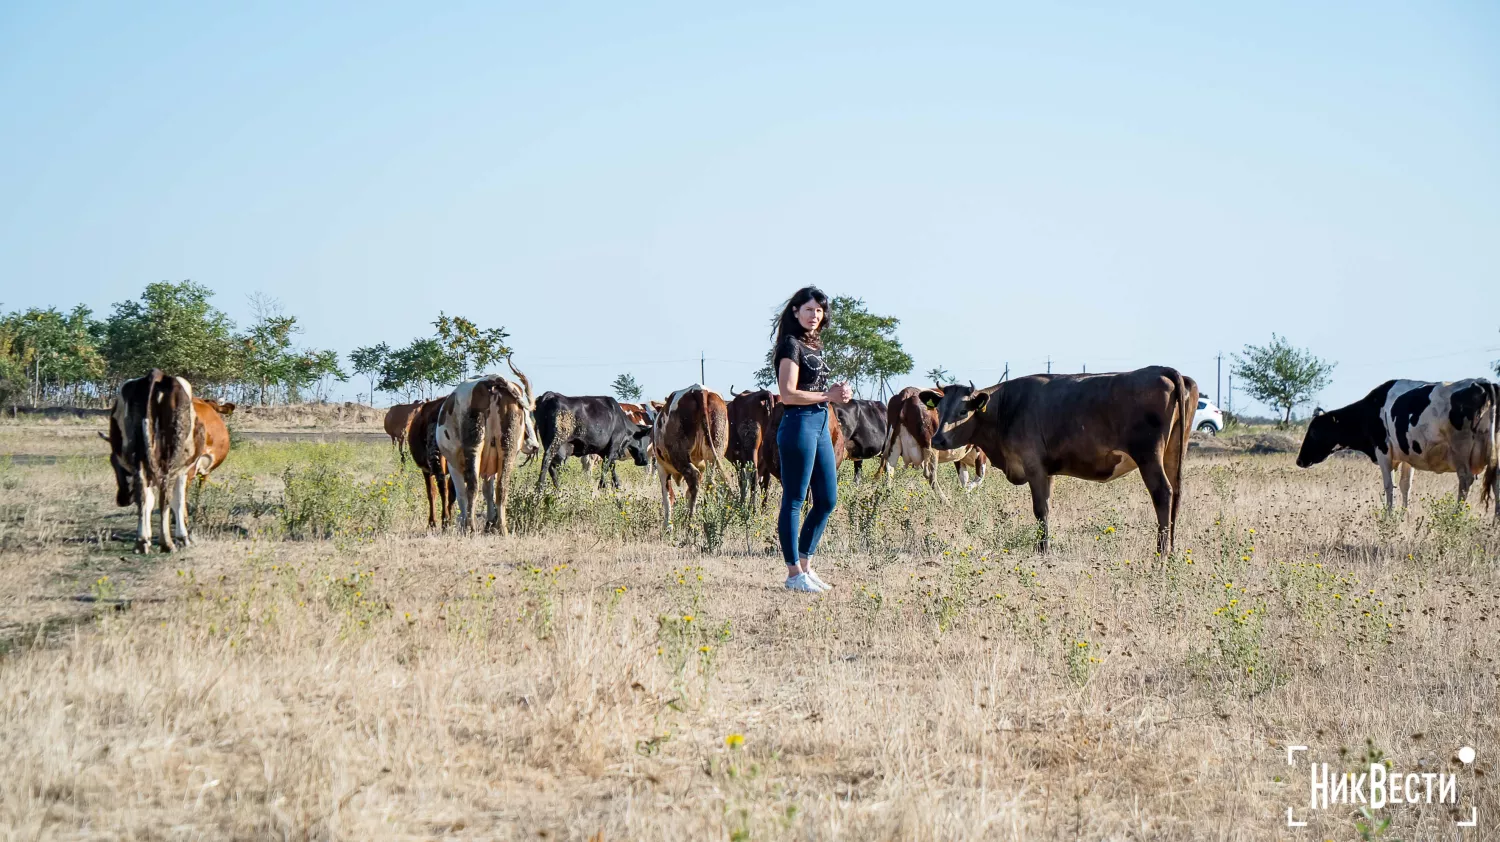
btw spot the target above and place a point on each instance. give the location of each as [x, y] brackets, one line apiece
[786, 324]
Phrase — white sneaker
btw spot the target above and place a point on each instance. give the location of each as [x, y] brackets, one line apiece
[813, 577]
[801, 584]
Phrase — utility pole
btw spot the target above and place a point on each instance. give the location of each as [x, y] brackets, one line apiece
[1006, 376]
[1085, 368]
[1049, 363]
[1219, 379]
[1231, 393]
[702, 366]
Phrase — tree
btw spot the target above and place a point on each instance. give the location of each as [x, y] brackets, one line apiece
[939, 375]
[172, 327]
[1280, 375]
[418, 368]
[50, 354]
[859, 346]
[471, 348]
[626, 389]
[368, 361]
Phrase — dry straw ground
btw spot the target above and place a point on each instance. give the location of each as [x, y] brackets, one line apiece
[318, 666]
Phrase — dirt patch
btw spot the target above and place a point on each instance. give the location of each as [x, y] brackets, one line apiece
[1256, 442]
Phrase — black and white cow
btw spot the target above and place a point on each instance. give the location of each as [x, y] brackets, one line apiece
[1437, 427]
[152, 446]
[587, 426]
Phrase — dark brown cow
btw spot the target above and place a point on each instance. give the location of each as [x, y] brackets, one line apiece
[769, 462]
[397, 420]
[1092, 426]
[151, 432]
[749, 420]
[421, 441]
[690, 436]
[910, 426]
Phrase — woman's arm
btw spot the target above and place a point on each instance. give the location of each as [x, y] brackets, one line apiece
[786, 384]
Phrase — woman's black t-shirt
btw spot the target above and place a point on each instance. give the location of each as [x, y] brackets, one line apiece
[812, 372]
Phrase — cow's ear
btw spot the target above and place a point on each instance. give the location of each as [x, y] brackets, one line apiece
[978, 401]
[1317, 410]
[226, 409]
[930, 398]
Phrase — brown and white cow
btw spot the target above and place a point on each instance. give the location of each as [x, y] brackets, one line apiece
[483, 429]
[210, 438]
[1091, 426]
[749, 426]
[151, 431]
[397, 420]
[690, 436]
[910, 425]
[637, 414]
[769, 461]
[421, 442]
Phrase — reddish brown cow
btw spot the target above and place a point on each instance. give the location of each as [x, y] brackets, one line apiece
[769, 462]
[691, 435]
[210, 438]
[910, 426]
[397, 420]
[637, 414]
[421, 441]
[749, 420]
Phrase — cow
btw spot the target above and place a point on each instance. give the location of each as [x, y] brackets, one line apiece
[151, 433]
[421, 441]
[483, 429]
[749, 427]
[865, 425]
[210, 438]
[769, 460]
[689, 436]
[587, 426]
[397, 420]
[1437, 427]
[637, 413]
[910, 424]
[1096, 427]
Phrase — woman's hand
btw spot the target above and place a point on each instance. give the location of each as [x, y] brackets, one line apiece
[841, 393]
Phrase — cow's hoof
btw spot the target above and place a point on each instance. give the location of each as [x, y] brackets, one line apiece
[143, 548]
[168, 548]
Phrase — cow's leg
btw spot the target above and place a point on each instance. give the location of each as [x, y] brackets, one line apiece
[666, 500]
[1384, 461]
[614, 476]
[502, 494]
[446, 495]
[179, 513]
[1041, 497]
[1160, 489]
[462, 496]
[963, 475]
[1465, 481]
[491, 514]
[857, 464]
[694, 479]
[431, 492]
[1405, 480]
[165, 492]
[145, 501]
[929, 471]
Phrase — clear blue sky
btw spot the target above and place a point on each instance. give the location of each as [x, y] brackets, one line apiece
[623, 186]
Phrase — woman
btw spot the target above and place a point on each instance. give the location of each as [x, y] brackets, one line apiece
[806, 450]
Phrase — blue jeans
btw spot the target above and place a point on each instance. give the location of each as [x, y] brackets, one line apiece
[807, 463]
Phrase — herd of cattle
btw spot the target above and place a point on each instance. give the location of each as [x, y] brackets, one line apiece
[1096, 427]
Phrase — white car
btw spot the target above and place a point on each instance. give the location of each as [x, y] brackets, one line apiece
[1209, 419]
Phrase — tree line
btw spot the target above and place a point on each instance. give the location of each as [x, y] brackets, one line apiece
[51, 356]
[71, 358]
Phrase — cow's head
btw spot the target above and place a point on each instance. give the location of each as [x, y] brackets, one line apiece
[124, 482]
[958, 409]
[639, 445]
[1325, 434]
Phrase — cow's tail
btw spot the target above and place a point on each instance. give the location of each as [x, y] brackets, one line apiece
[1184, 402]
[713, 441]
[1491, 487]
[151, 458]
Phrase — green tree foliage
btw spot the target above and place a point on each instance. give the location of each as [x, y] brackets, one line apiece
[859, 346]
[459, 349]
[473, 350]
[370, 361]
[626, 389]
[939, 375]
[172, 327]
[50, 355]
[1280, 375]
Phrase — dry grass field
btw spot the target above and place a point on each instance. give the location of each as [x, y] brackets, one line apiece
[318, 666]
